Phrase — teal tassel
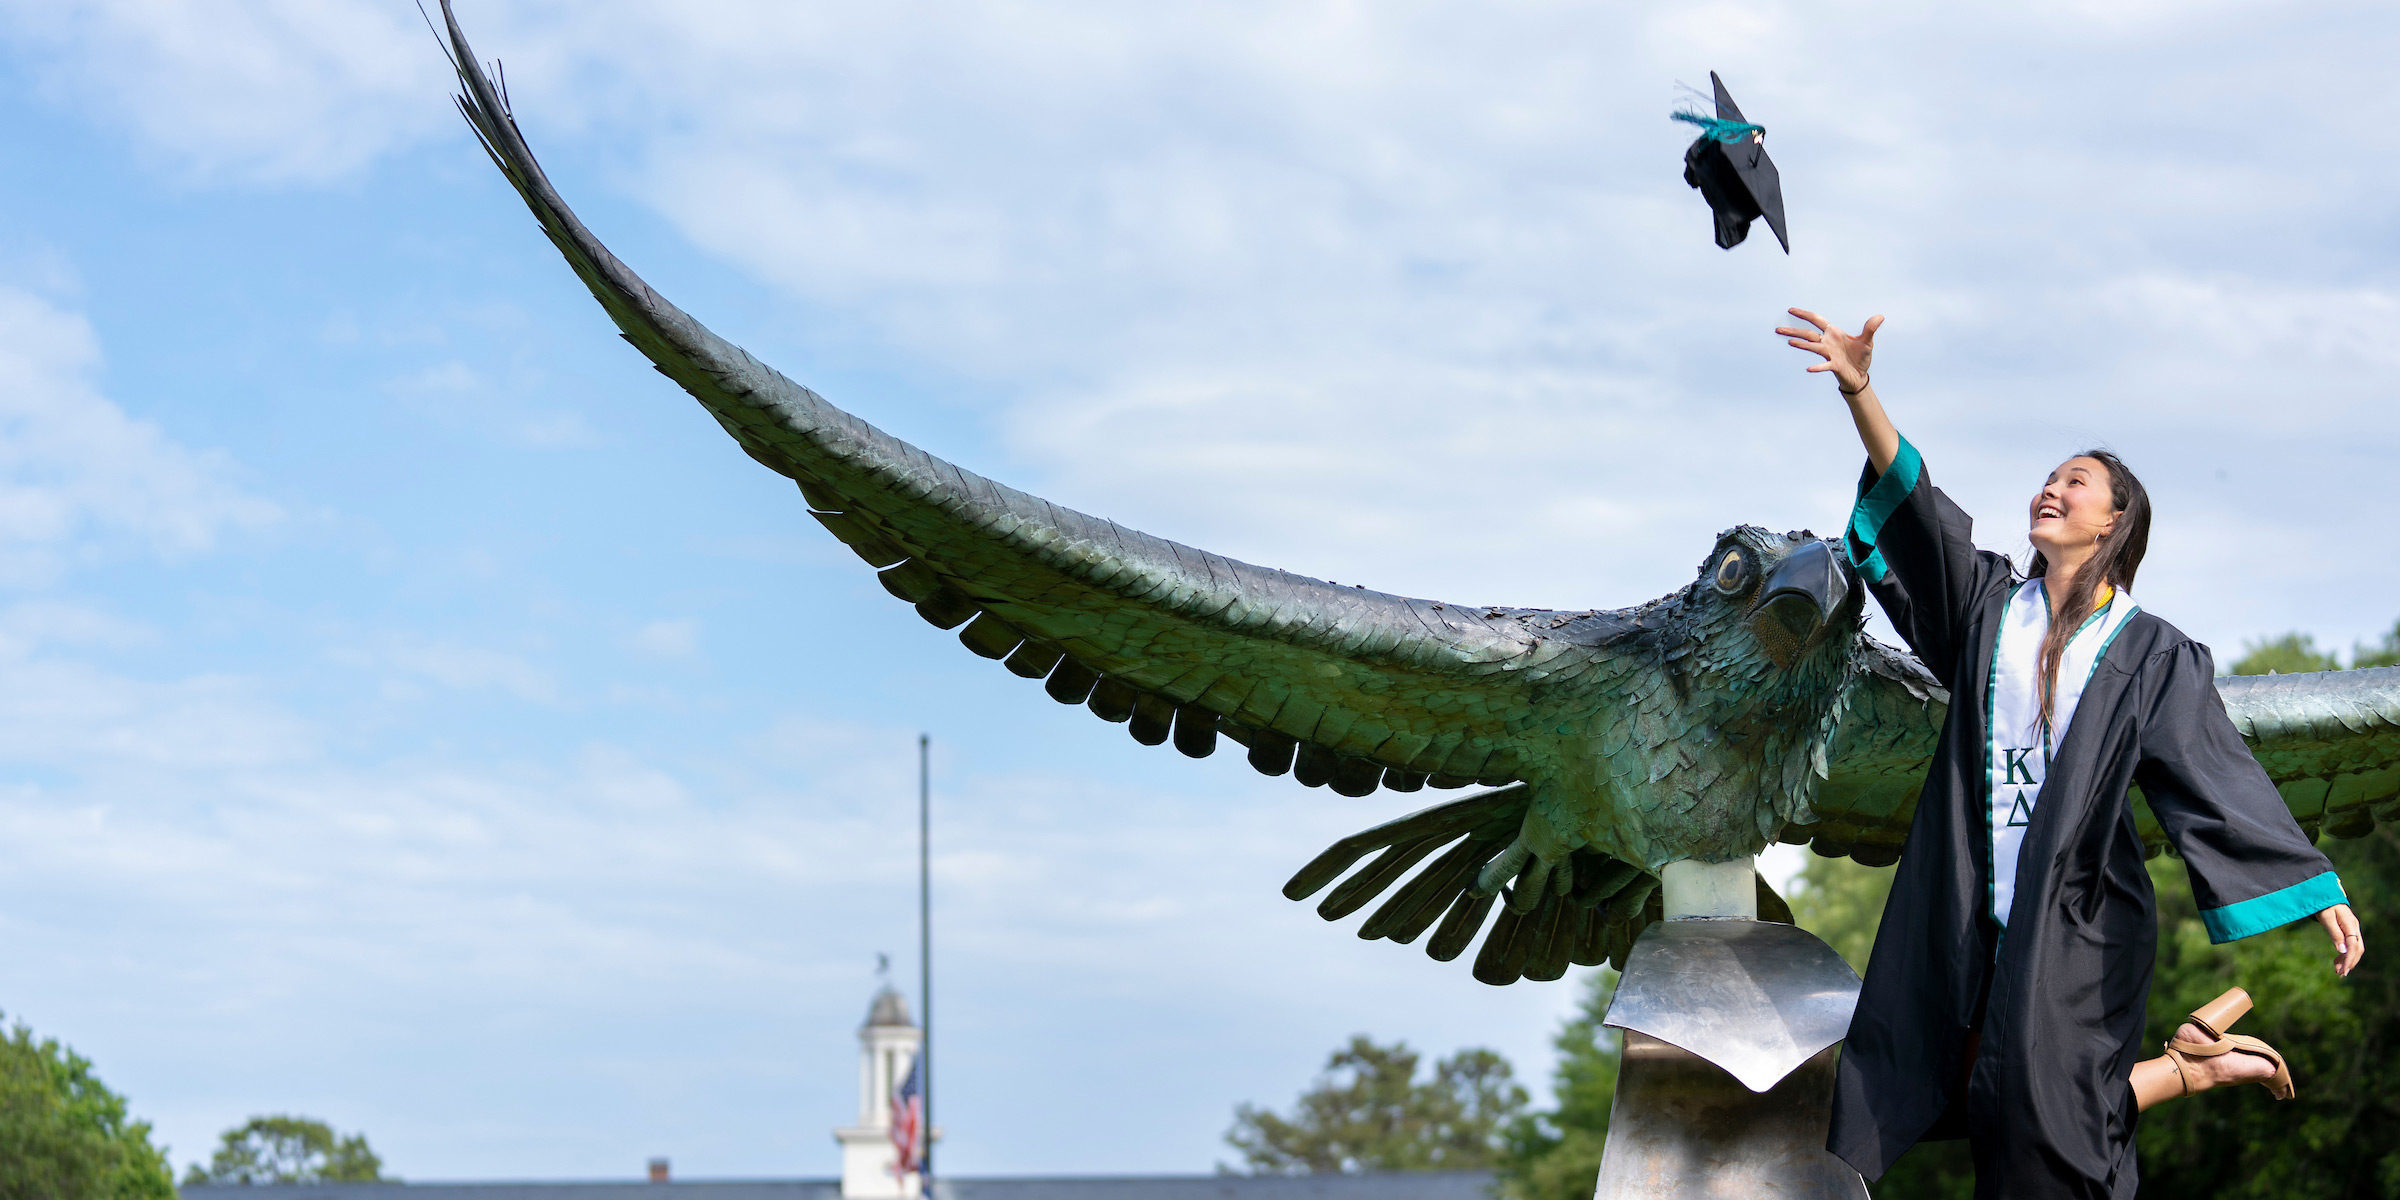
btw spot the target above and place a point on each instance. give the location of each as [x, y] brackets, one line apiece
[1727, 132]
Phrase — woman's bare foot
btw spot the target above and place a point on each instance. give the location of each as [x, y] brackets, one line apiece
[2206, 1073]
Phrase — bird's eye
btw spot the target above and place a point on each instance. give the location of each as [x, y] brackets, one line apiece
[1731, 571]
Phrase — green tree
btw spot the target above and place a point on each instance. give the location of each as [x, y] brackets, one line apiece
[1841, 902]
[2291, 654]
[1369, 1112]
[1555, 1155]
[2385, 653]
[289, 1150]
[64, 1135]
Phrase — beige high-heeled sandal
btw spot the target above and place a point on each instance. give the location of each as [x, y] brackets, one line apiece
[2213, 1019]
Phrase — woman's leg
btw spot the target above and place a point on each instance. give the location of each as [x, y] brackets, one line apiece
[2159, 1079]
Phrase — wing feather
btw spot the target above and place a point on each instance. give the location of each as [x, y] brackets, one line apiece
[1875, 763]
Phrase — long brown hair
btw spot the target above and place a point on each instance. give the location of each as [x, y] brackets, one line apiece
[2114, 561]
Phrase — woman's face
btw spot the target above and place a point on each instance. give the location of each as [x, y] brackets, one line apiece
[2073, 510]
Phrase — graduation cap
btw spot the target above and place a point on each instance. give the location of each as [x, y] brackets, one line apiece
[1729, 164]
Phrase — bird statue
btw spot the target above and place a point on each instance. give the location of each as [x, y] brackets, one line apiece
[1746, 707]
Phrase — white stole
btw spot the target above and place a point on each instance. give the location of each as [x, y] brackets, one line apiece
[2021, 746]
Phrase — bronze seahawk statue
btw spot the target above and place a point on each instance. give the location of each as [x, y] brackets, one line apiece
[1744, 708]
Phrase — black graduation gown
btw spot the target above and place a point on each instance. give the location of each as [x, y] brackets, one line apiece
[2049, 1106]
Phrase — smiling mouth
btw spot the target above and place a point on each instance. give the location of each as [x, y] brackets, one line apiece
[2047, 512]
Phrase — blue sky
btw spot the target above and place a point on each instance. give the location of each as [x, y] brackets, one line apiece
[419, 715]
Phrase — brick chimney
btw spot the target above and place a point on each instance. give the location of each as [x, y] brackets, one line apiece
[658, 1170]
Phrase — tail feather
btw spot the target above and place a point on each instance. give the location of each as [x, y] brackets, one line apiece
[1598, 877]
[1444, 820]
[1556, 945]
[1591, 941]
[1421, 901]
[1460, 926]
[1355, 891]
[1593, 920]
[1504, 958]
[1491, 962]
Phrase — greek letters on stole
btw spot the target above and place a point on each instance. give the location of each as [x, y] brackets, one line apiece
[2022, 743]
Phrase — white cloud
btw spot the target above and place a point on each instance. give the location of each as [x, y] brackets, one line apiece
[32, 624]
[666, 639]
[64, 715]
[267, 90]
[456, 394]
[453, 665]
[77, 474]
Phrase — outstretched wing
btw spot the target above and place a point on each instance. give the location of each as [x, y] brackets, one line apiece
[2329, 739]
[1891, 722]
[1337, 685]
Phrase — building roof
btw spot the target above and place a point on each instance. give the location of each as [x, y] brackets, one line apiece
[890, 1008]
[1390, 1185]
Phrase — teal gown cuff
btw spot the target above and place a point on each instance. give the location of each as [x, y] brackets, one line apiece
[2262, 913]
[1878, 499]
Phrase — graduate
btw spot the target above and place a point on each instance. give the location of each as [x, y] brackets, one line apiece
[2004, 999]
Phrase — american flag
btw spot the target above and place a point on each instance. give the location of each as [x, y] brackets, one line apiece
[908, 1125]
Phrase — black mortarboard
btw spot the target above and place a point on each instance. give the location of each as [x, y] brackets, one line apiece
[1729, 165]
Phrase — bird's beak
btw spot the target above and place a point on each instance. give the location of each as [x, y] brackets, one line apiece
[1799, 594]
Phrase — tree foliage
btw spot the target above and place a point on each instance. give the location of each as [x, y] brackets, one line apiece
[1841, 902]
[2297, 653]
[1555, 1154]
[289, 1150]
[64, 1135]
[2385, 653]
[2291, 654]
[1370, 1112]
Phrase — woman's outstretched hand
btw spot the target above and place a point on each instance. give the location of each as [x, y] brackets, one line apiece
[2348, 947]
[1846, 356]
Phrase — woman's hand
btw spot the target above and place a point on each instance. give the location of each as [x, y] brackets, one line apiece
[2348, 947]
[1846, 356]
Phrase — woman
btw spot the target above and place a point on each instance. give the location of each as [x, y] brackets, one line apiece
[2005, 995]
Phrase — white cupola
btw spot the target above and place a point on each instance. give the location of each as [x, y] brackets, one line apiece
[888, 1045]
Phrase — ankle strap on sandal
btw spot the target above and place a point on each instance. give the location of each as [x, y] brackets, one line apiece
[2177, 1060]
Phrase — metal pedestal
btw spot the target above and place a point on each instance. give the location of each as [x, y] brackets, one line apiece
[1726, 1085]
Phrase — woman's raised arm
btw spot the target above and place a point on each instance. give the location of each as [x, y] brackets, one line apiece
[1847, 357]
[1911, 545]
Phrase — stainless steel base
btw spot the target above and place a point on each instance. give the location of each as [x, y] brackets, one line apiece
[1682, 1127]
[1737, 1103]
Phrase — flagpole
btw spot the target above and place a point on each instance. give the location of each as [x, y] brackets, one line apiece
[925, 951]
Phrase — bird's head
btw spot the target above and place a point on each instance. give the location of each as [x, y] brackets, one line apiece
[1797, 596]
